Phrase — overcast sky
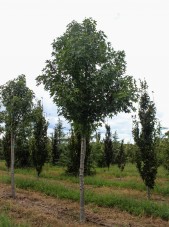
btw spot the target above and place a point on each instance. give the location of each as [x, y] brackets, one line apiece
[139, 27]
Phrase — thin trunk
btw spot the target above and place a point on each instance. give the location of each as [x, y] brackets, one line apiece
[81, 178]
[12, 166]
[148, 193]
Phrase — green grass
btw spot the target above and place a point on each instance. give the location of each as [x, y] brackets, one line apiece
[131, 205]
[5, 221]
[103, 177]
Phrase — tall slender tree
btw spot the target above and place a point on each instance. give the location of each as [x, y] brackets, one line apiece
[40, 140]
[108, 150]
[86, 79]
[121, 157]
[17, 100]
[145, 136]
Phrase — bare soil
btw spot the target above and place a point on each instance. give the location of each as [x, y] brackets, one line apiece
[39, 210]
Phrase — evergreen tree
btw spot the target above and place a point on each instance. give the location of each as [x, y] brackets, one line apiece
[55, 147]
[108, 150]
[22, 151]
[98, 151]
[145, 136]
[40, 140]
[74, 148]
[115, 147]
[121, 157]
[57, 140]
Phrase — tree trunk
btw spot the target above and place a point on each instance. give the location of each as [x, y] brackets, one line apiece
[148, 193]
[12, 166]
[81, 178]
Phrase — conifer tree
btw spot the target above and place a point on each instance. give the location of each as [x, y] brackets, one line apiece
[108, 150]
[39, 141]
[121, 157]
[145, 136]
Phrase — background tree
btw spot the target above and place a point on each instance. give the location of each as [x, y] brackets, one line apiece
[115, 147]
[22, 151]
[165, 148]
[6, 148]
[57, 139]
[55, 147]
[39, 141]
[108, 150]
[121, 157]
[86, 79]
[98, 151]
[145, 138]
[17, 99]
[74, 148]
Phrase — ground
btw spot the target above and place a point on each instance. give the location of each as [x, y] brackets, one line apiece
[39, 210]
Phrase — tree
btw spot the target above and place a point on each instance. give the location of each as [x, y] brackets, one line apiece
[165, 148]
[17, 99]
[108, 150]
[145, 138]
[57, 138]
[6, 147]
[74, 148]
[40, 140]
[115, 147]
[55, 147]
[121, 157]
[86, 79]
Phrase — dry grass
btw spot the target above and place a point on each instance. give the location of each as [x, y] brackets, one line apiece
[41, 211]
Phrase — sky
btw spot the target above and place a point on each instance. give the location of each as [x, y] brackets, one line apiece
[139, 27]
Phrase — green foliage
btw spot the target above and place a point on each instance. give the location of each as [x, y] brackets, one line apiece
[115, 147]
[98, 151]
[165, 148]
[121, 157]
[22, 151]
[90, 72]
[108, 149]
[130, 151]
[6, 146]
[39, 141]
[57, 140]
[146, 138]
[17, 99]
[74, 149]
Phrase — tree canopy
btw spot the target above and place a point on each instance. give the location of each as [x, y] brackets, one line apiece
[86, 77]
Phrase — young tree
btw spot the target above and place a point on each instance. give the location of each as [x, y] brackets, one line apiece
[115, 147]
[86, 79]
[17, 100]
[55, 147]
[145, 138]
[39, 141]
[121, 157]
[108, 150]
[74, 147]
[57, 140]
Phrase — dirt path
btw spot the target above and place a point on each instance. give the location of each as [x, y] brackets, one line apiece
[42, 211]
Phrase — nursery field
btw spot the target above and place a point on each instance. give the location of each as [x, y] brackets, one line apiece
[111, 199]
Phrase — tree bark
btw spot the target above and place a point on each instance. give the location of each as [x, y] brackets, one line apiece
[12, 166]
[81, 178]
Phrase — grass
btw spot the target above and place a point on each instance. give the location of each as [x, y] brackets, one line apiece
[129, 204]
[103, 178]
[5, 221]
